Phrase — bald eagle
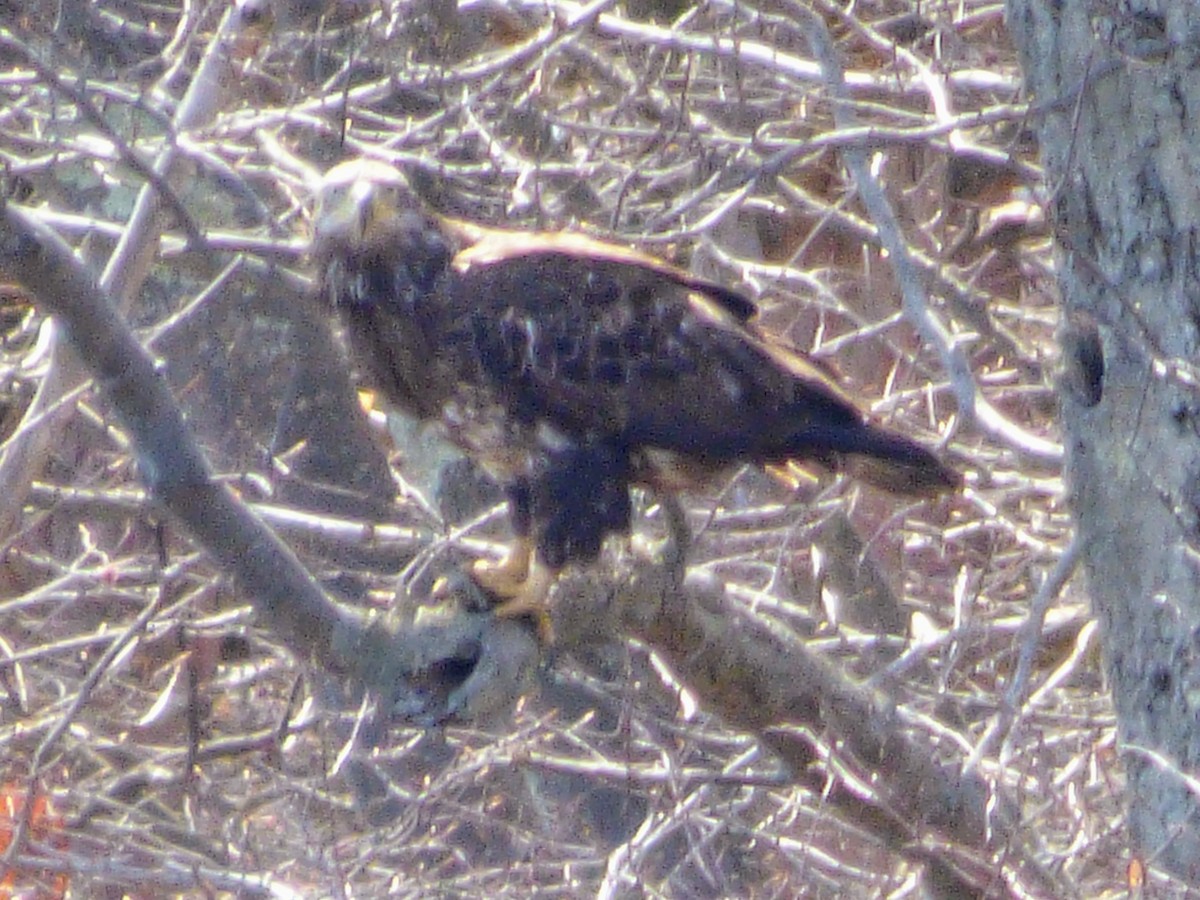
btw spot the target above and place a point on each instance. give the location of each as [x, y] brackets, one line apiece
[572, 369]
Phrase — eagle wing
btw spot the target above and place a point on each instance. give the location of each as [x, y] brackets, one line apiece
[489, 247]
[602, 343]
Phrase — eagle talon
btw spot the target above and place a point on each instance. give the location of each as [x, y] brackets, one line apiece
[521, 583]
[541, 621]
[532, 600]
[506, 577]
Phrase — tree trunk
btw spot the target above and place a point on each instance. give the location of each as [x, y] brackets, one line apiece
[1116, 101]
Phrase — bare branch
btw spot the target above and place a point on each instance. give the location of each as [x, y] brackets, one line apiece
[764, 681]
[178, 477]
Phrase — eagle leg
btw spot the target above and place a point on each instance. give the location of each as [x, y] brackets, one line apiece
[521, 582]
[560, 514]
[531, 600]
[506, 576]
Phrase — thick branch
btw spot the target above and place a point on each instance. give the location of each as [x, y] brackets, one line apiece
[767, 683]
[171, 464]
[126, 270]
[178, 476]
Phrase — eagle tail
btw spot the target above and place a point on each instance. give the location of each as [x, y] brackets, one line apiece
[879, 457]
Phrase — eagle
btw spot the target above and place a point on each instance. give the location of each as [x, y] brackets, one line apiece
[572, 369]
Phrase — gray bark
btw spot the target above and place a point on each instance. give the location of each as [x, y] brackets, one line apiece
[1117, 103]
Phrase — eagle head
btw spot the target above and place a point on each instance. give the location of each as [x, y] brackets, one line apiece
[363, 206]
[374, 242]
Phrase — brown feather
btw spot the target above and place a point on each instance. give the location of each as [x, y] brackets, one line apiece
[491, 247]
[537, 351]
